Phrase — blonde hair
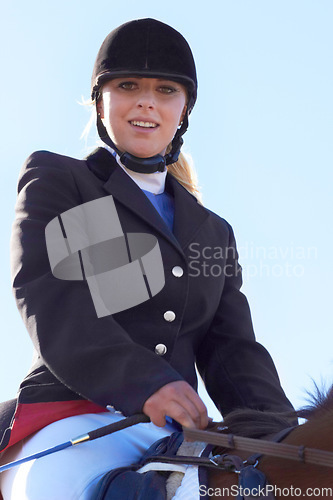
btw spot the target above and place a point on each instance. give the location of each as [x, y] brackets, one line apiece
[183, 170]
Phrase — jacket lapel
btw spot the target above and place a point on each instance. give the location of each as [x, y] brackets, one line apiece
[189, 215]
[127, 192]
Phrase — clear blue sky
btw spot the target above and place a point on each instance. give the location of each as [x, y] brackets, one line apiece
[260, 136]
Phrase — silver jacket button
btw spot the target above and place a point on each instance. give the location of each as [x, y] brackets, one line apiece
[169, 316]
[177, 271]
[161, 349]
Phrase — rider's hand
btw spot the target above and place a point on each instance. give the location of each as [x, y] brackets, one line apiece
[179, 401]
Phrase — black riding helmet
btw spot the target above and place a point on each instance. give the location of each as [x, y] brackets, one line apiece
[151, 49]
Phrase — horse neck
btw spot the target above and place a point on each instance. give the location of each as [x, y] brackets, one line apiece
[283, 473]
[315, 433]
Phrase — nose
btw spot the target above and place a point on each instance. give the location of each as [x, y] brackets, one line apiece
[146, 99]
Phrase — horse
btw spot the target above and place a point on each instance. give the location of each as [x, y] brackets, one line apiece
[287, 478]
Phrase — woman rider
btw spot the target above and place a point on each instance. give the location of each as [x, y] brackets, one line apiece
[120, 332]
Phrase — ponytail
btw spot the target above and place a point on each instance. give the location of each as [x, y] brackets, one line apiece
[185, 174]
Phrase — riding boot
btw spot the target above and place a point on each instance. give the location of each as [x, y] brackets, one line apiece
[123, 484]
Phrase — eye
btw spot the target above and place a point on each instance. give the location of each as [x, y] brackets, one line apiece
[128, 85]
[167, 89]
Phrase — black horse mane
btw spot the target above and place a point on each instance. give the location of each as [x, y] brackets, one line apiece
[257, 424]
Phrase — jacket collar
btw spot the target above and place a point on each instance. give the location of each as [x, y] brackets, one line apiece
[189, 214]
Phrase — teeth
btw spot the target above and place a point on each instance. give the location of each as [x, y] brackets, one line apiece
[144, 124]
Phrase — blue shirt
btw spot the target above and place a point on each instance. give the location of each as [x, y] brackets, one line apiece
[165, 206]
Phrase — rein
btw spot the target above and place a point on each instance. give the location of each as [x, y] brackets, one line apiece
[263, 447]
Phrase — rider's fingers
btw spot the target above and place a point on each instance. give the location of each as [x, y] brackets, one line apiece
[181, 414]
[198, 410]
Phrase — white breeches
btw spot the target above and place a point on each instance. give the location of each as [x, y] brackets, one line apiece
[72, 473]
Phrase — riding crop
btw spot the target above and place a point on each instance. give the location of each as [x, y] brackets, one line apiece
[90, 436]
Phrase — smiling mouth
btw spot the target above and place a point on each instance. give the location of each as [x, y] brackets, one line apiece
[143, 124]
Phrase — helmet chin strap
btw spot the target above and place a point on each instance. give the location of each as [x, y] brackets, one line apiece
[151, 164]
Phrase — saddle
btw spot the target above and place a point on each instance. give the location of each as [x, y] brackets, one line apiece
[156, 475]
[148, 479]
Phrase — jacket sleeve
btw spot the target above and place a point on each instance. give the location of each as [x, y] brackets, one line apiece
[93, 357]
[238, 371]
